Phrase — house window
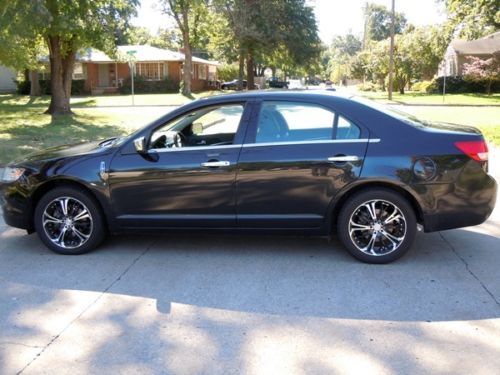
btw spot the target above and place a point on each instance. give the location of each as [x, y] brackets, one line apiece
[202, 72]
[212, 72]
[152, 71]
[79, 71]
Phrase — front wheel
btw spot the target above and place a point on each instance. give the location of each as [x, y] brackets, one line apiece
[68, 221]
[377, 225]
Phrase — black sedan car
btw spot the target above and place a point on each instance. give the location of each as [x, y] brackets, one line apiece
[270, 162]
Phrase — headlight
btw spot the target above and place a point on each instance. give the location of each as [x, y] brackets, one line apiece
[11, 174]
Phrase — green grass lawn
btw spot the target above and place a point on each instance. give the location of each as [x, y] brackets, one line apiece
[434, 99]
[24, 128]
[107, 100]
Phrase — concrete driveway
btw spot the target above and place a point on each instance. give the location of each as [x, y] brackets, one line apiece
[254, 305]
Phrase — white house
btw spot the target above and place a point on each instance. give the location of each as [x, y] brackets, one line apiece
[7, 77]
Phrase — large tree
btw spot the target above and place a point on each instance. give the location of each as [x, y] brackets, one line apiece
[472, 19]
[167, 38]
[378, 22]
[271, 33]
[66, 26]
[187, 15]
[337, 59]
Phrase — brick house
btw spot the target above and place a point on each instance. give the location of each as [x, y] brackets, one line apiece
[103, 74]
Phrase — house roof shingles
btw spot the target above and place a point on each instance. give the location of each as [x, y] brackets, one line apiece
[142, 53]
[488, 45]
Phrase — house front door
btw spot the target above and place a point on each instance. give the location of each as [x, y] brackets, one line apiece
[103, 75]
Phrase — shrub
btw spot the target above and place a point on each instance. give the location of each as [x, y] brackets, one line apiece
[421, 86]
[486, 72]
[367, 86]
[228, 72]
[23, 87]
[143, 86]
[77, 87]
[461, 85]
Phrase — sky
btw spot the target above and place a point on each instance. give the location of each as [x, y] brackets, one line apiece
[334, 17]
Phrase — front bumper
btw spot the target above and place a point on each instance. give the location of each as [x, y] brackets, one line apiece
[15, 205]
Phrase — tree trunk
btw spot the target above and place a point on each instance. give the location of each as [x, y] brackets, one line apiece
[35, 89]
[488, 87]
[61, 71]
[186, 77]
[273, 70]
[241, 71]
[250, 80]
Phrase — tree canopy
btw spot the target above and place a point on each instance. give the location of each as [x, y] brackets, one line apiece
[472, 19]
[378, 22]
[65, 26]
[270, 33]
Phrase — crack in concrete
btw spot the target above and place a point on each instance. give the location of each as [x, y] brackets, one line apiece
[123, 273]
[469, 270]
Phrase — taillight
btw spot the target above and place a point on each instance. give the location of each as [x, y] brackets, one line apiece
[477, 150]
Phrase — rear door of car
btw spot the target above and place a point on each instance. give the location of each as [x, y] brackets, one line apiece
[296, 156]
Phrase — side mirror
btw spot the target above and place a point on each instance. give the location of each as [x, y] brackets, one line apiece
[140, 145]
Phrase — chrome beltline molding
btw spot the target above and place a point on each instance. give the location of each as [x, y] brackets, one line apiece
[245, 145]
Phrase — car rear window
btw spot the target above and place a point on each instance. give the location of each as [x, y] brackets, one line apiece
[393, 112]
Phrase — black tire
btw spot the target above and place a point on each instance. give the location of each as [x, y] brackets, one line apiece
[384, 235]
[89, 231]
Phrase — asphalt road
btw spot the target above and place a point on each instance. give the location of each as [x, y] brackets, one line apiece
[253, 305]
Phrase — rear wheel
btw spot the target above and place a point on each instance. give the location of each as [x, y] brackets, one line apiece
[68, 221]
[377, 225]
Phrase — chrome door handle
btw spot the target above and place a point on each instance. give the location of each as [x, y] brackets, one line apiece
[344, 158]
[214, 164]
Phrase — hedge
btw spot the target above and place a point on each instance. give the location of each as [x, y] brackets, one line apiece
[143, 86]
[461, 85]
[77, 87]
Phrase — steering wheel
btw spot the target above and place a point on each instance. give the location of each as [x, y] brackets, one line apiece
[179, 140]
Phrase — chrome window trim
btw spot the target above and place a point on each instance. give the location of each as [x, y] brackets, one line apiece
[323, 141]
[193, 148]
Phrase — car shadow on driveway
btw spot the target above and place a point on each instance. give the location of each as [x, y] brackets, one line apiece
[287, 276]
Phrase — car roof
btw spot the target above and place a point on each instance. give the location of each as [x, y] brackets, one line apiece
[277, 95]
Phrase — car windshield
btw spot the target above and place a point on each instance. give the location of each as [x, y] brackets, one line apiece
[393, 112]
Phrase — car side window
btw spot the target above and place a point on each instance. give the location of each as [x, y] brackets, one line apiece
[347, 130]
[293, 122]
[212, 126]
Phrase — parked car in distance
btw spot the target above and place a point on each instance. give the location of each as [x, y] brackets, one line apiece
[275, 82]
[313, 163]
[233, 85]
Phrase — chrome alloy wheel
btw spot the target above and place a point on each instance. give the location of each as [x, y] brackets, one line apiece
[67, 222]
[377, 227]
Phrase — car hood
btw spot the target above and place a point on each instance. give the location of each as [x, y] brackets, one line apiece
[65, 151]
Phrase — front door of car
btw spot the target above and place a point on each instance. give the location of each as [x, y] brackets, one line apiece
[187, 176]
[296, 157]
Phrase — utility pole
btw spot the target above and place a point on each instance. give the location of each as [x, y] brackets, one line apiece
[391, 56]
[131, 65]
